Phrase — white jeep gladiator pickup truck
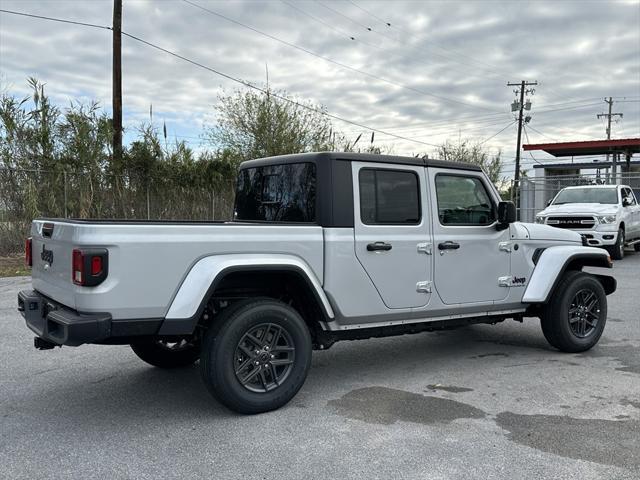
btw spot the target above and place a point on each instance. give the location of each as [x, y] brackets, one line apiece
[323, 247]
[605, 215]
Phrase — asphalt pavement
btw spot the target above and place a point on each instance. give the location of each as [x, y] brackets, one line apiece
[481, 402]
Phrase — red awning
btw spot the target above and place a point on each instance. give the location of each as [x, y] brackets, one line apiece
[626, 146]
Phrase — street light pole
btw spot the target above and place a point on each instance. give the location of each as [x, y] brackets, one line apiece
[516, 176]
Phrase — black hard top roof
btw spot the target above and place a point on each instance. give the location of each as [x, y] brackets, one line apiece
[359, 157]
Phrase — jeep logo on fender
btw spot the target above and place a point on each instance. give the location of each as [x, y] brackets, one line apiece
[518, 280]
[46, 255]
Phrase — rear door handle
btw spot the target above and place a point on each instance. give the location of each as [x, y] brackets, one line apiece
[448, 246]
[377, 246]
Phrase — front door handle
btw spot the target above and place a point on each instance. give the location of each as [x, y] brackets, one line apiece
[377, 246]
[448, 246]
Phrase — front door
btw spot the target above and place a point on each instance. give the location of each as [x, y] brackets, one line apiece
[392, 231]
[472, 257]
[631, 206]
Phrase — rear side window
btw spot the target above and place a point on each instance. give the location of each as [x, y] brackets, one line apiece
[389, 197]
[463, 200]
[277, 193]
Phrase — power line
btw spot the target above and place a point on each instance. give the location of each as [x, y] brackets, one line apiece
[495, 73]
[448, 126]
[276, 95]
[486, 117]
[492, 68]
[590, 99]
[220, 73]
[232, 78]
[326, 24]
[526, 134]
[498, 133]
[42, 17]
[449, 121]
[624, 97]
[366, 27]
[564, 129]
[388, 24]
[358, 39]
[468, 133]
[539, 132]
[335, 62]
[576, 107]
[463, 67]
[547, 88]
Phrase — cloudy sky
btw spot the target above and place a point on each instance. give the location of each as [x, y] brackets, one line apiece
[438, 72]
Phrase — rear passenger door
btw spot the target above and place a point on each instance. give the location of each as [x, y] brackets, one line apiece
[392, 231]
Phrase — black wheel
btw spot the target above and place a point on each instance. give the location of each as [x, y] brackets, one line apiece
[636, 247]
[256, 356]
[163, 354]
[574, 319]
[617, 251]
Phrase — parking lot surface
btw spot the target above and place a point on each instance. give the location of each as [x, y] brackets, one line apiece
[480, 402]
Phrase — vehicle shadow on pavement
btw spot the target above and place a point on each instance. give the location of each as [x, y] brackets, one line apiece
[440, 347]
[132, 392]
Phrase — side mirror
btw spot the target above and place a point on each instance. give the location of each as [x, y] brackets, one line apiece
[506, 213]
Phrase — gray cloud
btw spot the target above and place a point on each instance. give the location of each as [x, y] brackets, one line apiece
[579, 51]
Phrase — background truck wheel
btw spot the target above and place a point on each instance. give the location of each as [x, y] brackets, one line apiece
[636, 247]
[167, 354]
[617, 251]
[256, 356]
[574, 319]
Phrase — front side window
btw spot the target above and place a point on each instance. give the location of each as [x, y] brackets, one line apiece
[628, 199]
[389, 197]
[463, 201]
[277, 193]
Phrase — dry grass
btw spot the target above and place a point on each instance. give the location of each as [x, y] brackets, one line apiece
[13, 267]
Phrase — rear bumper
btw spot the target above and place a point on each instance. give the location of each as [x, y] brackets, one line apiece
[60, 325]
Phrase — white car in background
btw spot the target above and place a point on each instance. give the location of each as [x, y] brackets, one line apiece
[605, 215]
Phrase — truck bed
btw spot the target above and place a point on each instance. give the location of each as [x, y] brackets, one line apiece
[148, 260]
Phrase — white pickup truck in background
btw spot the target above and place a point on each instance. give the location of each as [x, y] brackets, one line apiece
[605, 215]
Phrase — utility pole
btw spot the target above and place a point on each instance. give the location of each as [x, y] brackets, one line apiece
[116, 88]
[614, 166]
[521, 106]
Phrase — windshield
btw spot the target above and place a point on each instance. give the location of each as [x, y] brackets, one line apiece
[587, 195]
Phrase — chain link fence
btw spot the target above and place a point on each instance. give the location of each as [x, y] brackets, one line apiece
[28, 194]
[535, 193]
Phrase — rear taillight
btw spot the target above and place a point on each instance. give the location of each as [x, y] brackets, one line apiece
[89, 266]
[78, 267]
[96, 265]
[28, 259]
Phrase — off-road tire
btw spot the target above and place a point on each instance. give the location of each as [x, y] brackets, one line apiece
[636, 247]
[617, 250]
[220, 359]
[167, 355]
[555, 318]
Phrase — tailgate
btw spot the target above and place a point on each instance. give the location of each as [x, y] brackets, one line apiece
[52, 246]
